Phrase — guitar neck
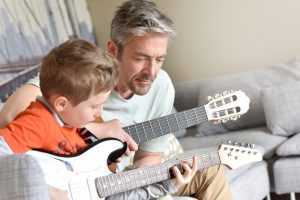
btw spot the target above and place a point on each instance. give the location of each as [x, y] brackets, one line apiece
[148, 130]
[124, 181]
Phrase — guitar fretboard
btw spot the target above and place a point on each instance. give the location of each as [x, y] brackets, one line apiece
[151, 129]
[145, 131]
[124, 181]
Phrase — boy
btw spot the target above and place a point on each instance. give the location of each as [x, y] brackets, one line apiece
[75, 79]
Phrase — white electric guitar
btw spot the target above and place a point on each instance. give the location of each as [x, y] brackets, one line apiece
[82, 176]
[65, 172]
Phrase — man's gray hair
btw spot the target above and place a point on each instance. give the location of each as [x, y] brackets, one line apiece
[136, 18]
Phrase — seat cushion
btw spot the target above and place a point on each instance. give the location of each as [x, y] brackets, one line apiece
[260, 136]
[251, 183]
[286, 173]
[290, 147]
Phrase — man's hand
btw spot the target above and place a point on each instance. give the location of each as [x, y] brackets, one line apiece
[113, 129]
[189, 172]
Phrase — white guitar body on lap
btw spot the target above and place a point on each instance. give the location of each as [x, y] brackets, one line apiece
[64, 172]
[86, 176]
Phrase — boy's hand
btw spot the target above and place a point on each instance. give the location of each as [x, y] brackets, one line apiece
[113, 129]
[189, 172]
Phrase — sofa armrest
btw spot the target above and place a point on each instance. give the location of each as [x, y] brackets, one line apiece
[21, 178]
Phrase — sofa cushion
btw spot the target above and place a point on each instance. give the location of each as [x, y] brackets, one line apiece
[260, 136]
[251, 183]
[290, 147]
[251, 83]
[281, 106]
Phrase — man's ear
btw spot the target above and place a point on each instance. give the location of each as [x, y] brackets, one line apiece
[112, 48]
[61, 103]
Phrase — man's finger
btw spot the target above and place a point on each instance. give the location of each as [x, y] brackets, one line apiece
[187, 169]
[177, 174]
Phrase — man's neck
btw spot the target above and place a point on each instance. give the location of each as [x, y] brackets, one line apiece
[124, 91]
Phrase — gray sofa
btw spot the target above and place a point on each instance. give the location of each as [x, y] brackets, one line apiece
[270, 123]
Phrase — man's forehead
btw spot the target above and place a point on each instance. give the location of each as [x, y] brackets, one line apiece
[147, 54]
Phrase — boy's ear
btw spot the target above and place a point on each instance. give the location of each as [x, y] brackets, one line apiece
[112, 48]
[60, 103]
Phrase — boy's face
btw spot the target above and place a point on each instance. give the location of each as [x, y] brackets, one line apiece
[85, 112]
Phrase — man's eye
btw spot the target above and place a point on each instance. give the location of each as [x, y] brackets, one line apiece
[160, 60]
[139, 59]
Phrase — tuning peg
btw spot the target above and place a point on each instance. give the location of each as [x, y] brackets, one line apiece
[217, 95]
[248, 145]
[243, 144]
[233, 118]
[236, 143]
[209, 98]
[252, 146]
[224, 93]
[224, 120]
[229, 142]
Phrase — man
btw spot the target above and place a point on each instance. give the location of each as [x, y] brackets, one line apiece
[140, 35]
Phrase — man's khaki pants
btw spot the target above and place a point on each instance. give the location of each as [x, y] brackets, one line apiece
[209, 184]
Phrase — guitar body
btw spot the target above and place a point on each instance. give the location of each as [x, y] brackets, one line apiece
[75, 173]
[86, 175]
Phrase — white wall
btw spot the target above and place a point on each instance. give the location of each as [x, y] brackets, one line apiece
[216, 37]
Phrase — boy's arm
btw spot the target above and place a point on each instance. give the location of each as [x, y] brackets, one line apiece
[18, 102]
[114, 129]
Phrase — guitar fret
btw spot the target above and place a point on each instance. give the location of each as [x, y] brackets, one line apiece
[148, 130]
[123, 181]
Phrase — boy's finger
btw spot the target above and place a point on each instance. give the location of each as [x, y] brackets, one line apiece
[132, 145]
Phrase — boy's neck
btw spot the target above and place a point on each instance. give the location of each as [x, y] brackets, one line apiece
[48, 105]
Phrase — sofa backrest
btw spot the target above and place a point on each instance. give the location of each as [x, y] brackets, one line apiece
[193, 93]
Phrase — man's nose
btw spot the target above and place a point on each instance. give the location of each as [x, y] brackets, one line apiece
[151, 69]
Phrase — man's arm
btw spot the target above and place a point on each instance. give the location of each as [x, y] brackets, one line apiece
[22, 98]
[18, 102]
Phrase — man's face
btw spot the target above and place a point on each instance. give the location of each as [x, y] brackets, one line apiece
[140, 61]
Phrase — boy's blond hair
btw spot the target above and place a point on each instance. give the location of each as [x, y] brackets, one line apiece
[77, 69]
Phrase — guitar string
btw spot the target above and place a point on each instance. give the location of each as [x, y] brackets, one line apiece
[187, 120]
[161, 169]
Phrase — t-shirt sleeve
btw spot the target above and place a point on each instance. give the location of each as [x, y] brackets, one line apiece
[24, 133]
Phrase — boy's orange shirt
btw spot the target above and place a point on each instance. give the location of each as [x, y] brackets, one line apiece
[37, 128]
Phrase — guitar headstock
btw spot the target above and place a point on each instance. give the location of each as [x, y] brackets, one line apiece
[227, 106]
[236, 155]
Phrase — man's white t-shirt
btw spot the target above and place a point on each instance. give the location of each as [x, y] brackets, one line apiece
[156, 103]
